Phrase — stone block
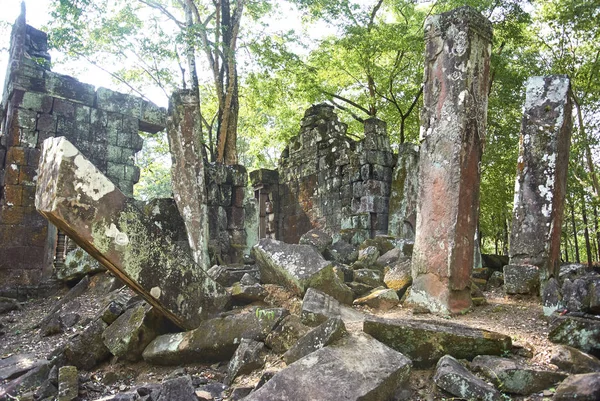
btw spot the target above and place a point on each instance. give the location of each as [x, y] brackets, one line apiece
[317, 307]
[521, 279]
[325, 334]
[577, 332]
[116, 102]
[454, 378]
[152, 118]
[66, 87]
[110, 228]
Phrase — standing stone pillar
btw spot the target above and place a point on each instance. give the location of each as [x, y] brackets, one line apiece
[540, 185]
[453, 120]
[189, 187]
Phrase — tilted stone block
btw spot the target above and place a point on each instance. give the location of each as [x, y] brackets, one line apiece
[83, 203]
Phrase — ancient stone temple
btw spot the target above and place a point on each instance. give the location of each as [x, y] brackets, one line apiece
[38, 104]
[453, 122]
[327, 180]
[540, 185]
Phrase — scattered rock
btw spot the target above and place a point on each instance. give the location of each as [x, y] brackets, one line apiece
[64, 318]
[496, 280]
[317, 238]
[454, 378]
[178, 389]
[380, 298]
[8, 304]
[482, 273]
[571, 271]
[585, 387]
[32, 379]
[514, 378]
[246, 358]
[342, 252]
[298, 267]
[214, 339]
[246, 294]
[359, 289]
[551, 297]
[87, 349]
[577, 332]
[332, 330]
[286, 334]
[368, 277]
[368, 255]
[227, 275]
[426, 342]
[356, 368]
[390, 258]
[73, 293]
[17, 365]
[128, 336]
[573, 360]
[68, 383]
[76, 265]
[521, 279]
[575, 295]
[399, 277]
[317, 307]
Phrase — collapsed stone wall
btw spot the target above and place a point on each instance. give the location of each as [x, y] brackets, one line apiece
[38, 104]
[327, 180]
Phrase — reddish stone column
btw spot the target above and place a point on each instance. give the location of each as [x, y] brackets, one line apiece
[453, 120]
[540, 185]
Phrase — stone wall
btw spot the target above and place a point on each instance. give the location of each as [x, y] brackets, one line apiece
[38, 104]
[327, 180]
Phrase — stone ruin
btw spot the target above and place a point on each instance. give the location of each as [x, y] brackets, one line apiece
[354, 207]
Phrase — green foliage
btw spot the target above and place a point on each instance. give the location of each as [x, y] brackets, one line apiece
[155, 168]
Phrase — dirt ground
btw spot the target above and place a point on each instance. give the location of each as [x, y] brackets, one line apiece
[519, 317]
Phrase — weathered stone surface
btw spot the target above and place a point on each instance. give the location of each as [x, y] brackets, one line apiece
[571, 271]
[61, 320]
[30, 380]
[184, 132]
[317, 307]
[573, 360]
[399, 277]
[404, 189]
[577, 332]
[521, 279]
[214, 340]
[327, 333]
[286, 334]
[86, 350]
[369, 277]
[541, 179]
[17, 365]
[513, 377]
[68, 383]
[496, 280]
[380, 298]
[130, 333]
[298, 267]
[426, 342]
[452, 138]
[576, 296]
[317, 238]
[368, 255]
[356, 368]
[77, 264]
[551, 297]
[453, 377]
[390, 258]
[178, 389]
[247, 293]
[342, 252]
[585, 387]
[247, 357]
[77, 198]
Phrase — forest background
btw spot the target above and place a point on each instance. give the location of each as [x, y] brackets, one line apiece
[256, 65]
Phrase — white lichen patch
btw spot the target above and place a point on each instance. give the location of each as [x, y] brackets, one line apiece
[119, 237]
[90, 180]
[155, 292]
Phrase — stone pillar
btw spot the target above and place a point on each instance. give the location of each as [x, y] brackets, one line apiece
[453, 120]
[540, 184]
[189, 188]
[403, 197]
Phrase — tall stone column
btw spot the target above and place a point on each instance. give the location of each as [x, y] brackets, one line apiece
[540, 185]
[453, 121]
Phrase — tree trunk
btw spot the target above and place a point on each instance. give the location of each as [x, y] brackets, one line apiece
[586, 233]
[597, 232]
[566, 247]
[505, 239]
[575, 233]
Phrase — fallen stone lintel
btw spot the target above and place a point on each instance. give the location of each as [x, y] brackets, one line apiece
[77, 198]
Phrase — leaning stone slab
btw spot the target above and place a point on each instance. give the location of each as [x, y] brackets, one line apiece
[578, 332]
[215, 339]
[454, 378]
[317, 307]
[573, 360]
[77, 198]
[426, 342]
[298, 267]
[247, 358]
[17, 365]
[356, 368]
[585, 387]
[330, 331]
[513, 377]
[541, 179]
